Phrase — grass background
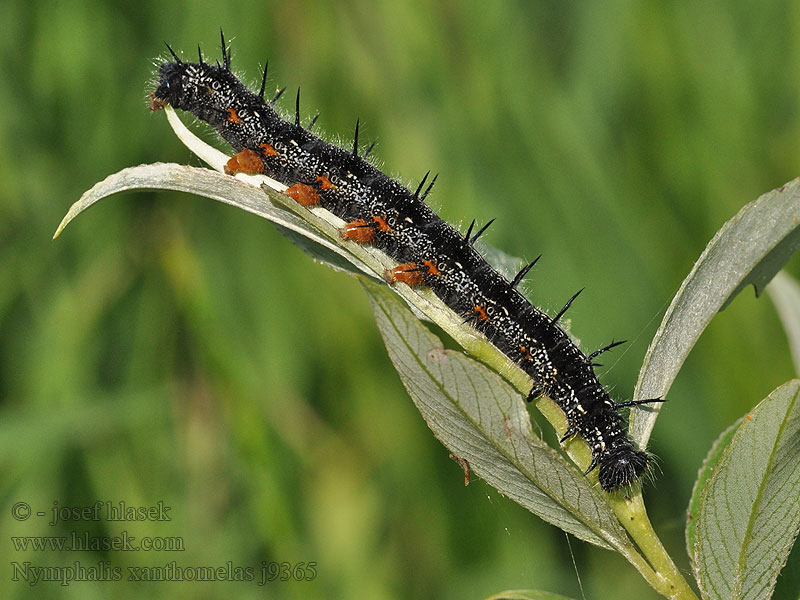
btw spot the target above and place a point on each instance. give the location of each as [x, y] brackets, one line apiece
[167, 348]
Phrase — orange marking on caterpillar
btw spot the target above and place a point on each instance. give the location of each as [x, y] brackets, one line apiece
[384, 226]
[432, 269]
[359, 231]
[233, 116]
[268, 150]
[480, 311]
[408, 273]
[303, 194]
[246, 161]
[325, 183]
[526, 354]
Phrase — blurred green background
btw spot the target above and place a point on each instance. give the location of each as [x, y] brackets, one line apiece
[168, 348]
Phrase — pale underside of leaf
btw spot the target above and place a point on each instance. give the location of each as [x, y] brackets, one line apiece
[749, 511]
[749, 249]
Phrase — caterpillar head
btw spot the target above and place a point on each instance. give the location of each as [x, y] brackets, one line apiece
[202, 89]
[621, 467]
[171, 87]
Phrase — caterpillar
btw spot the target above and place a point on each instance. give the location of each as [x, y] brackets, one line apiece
[429, 252]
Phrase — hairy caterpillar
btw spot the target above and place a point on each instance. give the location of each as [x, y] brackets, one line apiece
[382, 212]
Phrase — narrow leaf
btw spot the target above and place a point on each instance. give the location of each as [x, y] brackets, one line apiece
[749, 249]
[483, 420]
[749, 510]
[223, 188]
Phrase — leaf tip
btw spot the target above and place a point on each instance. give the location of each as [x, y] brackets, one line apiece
[64, 222]
[73, 212]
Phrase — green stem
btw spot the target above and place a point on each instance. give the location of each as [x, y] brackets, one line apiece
[666, 579]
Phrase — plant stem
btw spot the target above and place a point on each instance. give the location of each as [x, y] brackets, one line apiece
[663, 575]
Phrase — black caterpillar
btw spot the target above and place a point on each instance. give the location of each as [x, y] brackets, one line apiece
[380, 211]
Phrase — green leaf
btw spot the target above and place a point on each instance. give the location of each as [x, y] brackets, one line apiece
[481, 419]
[749, 509]
[785, 294]
[749, 249]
